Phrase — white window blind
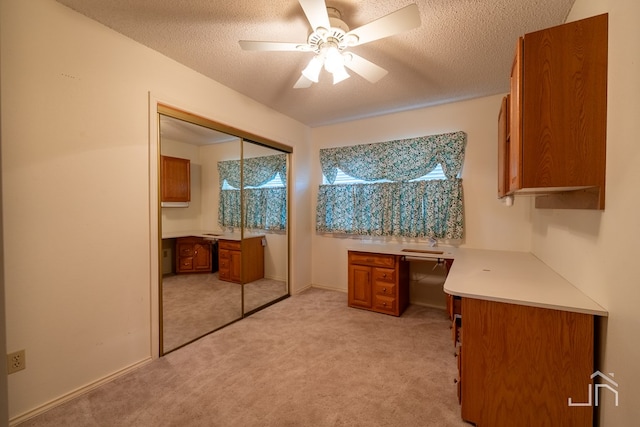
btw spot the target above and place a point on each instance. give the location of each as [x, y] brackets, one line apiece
[275, 182]
[343, 178]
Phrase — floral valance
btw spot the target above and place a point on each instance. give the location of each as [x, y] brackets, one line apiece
[398, 161]
[256, 170]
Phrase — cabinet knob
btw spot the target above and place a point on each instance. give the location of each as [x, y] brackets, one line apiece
[384, 289]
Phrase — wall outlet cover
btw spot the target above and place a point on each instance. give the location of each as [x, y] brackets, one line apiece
[16, 361]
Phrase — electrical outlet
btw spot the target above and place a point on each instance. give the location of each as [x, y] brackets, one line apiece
[16, 362]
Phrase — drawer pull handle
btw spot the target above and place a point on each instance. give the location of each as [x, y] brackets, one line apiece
[384, 289]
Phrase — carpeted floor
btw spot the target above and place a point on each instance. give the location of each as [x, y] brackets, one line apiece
[196, 304]
[306, 361]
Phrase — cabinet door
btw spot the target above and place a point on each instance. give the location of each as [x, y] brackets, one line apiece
[564, 102]
[202, 256]
[518, 359]
[175, 178]
[360, 286]
[515, 119]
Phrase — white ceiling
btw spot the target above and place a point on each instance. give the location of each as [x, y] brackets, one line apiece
[463, 49]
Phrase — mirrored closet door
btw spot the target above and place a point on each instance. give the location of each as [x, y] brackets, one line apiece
[224, 219]
[264, 204]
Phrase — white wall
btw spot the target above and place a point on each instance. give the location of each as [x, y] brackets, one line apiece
[597, 251]
[489, 223]
[76, 192]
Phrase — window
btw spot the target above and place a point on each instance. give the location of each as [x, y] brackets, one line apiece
[408, 188]
[276, 182]
[265, 193]
[343, 178]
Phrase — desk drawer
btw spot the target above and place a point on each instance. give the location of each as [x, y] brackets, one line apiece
[375, 260]
[382, 288]
[229, 244]
[384, 303]
[384, 275]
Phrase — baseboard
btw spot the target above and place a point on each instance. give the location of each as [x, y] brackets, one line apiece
[327, 288]
[76, 393]
[422, 304]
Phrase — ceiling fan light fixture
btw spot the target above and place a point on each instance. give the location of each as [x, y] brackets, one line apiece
[312, 71]
[333, 59]
[340, 74]
[322, 32]
[351, 40]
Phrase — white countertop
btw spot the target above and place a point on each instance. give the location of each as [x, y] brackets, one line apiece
[502, 276]
[442, 252]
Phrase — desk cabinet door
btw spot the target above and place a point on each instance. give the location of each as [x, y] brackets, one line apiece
[360, 286]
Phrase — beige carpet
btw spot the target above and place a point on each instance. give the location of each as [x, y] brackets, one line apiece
[196, 304]
[306, 361]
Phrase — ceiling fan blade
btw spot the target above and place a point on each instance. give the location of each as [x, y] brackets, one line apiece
[316, 11]
[396, 22]
[273, 46]
[365, 68]
[302, 83]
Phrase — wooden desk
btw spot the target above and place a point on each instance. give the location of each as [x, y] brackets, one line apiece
[528, 340]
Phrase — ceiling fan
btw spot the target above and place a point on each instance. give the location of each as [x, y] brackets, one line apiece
[330, 38]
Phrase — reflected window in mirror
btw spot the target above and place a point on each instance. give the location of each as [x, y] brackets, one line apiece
[265, 193]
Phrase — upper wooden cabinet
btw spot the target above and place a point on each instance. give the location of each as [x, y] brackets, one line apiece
[175, 179]
[553, 138]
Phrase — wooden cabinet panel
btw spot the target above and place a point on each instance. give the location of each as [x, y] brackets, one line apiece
[360, 286]
[556, 139]
[378, 282]
[503, 147]
[521, 364]
[241, 261]
[514, 151]
[193, 255]
[175, 179]
[235, 266]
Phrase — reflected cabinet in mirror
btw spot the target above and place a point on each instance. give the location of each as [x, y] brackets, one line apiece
[224, 251]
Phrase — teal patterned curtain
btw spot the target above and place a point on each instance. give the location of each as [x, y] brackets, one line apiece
[422, 209]
[398, 161]
[257, 170]
[265, 208]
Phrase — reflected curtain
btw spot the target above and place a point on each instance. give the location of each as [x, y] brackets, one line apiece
[265, 208]
[421, 209]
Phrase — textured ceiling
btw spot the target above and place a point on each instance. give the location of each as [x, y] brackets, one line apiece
[463, 49]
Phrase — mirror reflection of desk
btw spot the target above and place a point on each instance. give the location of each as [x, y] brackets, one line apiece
[241, 261]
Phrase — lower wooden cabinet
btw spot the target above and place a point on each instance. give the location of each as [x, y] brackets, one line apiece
[241, 261]
[193, 255]
[521, 364]
[378, 282]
